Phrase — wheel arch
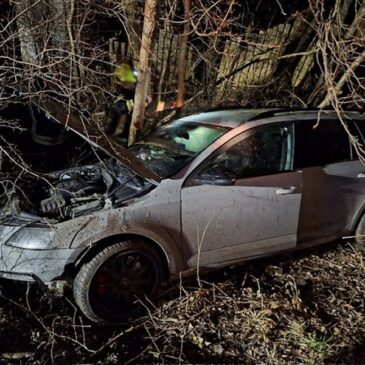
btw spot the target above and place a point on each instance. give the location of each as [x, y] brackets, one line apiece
[90, 251]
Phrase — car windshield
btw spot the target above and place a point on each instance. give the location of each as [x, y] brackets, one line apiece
[171, 147]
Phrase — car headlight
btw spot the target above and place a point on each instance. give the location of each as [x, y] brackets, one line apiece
[32, 238]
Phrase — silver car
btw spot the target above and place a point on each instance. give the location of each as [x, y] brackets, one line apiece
[202, 192]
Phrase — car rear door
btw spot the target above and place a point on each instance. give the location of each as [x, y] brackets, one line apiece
[333, 179]
[256, 213]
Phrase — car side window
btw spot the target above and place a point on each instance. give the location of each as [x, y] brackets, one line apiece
[325, 144]
[266, 151]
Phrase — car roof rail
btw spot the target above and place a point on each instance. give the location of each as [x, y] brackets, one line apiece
[267, 113]
[226, 107]
[283, 111]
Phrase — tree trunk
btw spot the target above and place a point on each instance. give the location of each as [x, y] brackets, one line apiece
[131, 13]
[28, 48]
[45, 28]
[181, 66]
[143, 69]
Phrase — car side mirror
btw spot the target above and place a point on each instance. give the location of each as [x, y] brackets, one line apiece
[214, 175]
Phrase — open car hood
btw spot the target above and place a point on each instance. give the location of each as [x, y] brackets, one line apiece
[94, 136]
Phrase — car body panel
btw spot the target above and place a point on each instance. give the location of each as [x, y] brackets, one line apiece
[215, 218]
[155, 216]
[332, 195]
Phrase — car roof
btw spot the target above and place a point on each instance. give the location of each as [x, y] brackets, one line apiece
[235, 117]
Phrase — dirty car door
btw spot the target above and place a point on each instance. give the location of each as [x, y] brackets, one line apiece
[245, 200]
[333, 179]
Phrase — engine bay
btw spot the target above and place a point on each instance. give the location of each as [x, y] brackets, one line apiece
[76, 191]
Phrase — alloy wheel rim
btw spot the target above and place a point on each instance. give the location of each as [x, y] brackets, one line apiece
[121, 283]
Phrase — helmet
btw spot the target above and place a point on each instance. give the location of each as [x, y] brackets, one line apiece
[124, 73]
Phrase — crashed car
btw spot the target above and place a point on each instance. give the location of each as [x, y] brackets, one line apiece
[204, 191]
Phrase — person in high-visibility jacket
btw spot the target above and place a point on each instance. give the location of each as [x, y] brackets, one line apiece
[125, 80]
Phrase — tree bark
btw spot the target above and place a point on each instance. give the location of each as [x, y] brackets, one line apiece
[143, 69]
[131, 14]
[28, 48]
[181, 66]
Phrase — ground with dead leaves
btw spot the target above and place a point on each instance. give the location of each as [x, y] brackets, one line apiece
[305, 308]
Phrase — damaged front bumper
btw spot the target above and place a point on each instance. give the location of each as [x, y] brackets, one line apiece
[32, 263]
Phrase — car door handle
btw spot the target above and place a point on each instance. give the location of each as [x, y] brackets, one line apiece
[360, 175]
[284, 191]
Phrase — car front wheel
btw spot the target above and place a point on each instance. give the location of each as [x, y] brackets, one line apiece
[114, 284]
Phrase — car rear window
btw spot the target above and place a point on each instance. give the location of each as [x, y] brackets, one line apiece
[320, 145]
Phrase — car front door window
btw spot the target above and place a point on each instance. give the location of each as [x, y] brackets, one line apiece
[264, 152]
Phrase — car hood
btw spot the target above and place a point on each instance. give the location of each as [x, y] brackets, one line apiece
[95, 136]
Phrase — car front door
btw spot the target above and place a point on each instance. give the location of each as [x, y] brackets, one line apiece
[244, 201]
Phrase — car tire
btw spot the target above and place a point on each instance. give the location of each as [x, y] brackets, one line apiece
[111, 287]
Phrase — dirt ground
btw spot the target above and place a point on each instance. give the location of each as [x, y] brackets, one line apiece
[304, 308]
